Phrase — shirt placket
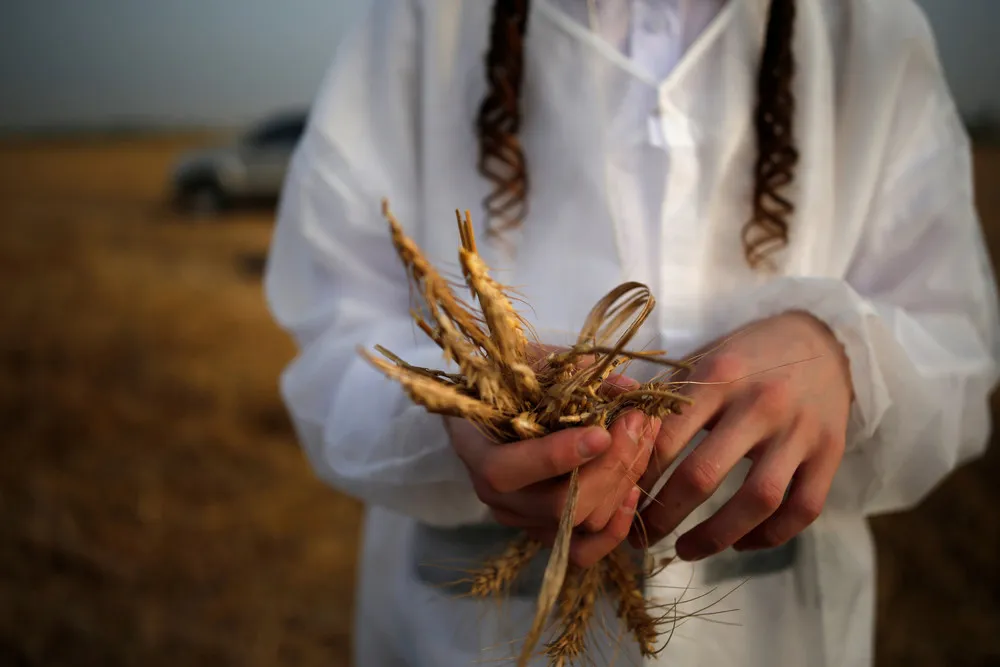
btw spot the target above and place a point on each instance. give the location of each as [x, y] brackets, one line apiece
[681, 237]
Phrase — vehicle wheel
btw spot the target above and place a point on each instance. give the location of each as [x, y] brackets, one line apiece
[204, 201]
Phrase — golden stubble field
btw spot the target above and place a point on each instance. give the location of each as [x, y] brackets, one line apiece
[154, 506]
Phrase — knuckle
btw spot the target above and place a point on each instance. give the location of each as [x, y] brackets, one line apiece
[482, 489]
[830, 441]
[807, 425]
[596, 521]
[765, 494]
[771, 537]
[806, 510]
[698, 476]
[491, 479]
[713, 543]
[621, 531]
[721, 367]
[579, 521]
[773, 398]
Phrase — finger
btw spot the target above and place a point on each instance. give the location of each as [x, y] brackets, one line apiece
[546, 536]
[467, 439]
[702, 472]
[628, 473]
[500, 469]
[538, 355]
[677, 430]
[709, 386]
[758, 498]
[605, 482]
[803, 504]
[513, 519]
[617, 384]
[536, 505]
[589, 549]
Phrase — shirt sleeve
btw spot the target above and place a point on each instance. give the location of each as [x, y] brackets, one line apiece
[334, 281]
[916, 313]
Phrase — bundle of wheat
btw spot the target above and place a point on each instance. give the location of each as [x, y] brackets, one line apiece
[511, 395]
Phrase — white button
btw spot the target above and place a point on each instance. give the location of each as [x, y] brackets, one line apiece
[678, 130]
[656, 137]
[671, 130]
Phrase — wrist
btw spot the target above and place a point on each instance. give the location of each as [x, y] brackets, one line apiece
[827, 342]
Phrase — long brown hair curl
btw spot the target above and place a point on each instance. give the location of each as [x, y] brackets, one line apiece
[501, 157]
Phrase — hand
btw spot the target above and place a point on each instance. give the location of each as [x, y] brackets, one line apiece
[525, 483]
[779, 394]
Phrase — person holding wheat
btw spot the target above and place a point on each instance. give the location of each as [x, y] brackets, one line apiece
[791, 182]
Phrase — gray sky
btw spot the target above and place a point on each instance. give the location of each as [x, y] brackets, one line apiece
[968, 36]
[227, 62]
[215, 62]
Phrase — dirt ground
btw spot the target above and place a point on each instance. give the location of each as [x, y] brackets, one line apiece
[154, 506]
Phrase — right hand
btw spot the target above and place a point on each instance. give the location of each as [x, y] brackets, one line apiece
[526, 483]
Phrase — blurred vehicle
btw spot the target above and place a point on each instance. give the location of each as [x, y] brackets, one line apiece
[253, 168]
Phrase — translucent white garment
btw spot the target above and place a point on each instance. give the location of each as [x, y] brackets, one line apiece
[885, 248]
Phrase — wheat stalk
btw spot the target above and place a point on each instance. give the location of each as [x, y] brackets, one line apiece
[498, 574]
[577, 602]
[510, 396]
[633, 608]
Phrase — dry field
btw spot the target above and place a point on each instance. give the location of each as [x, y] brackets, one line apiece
[154, 507]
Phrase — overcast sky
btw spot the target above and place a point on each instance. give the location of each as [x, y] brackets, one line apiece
[227, 62]
[216, 62]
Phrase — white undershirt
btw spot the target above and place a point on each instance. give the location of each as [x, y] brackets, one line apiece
[654, 34]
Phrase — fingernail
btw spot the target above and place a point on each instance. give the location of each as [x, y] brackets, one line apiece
[594, 442]
[633, 426]
[690, 558]
[631, 501]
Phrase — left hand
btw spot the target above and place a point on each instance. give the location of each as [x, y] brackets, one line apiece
[778, 393]
[526, 484]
